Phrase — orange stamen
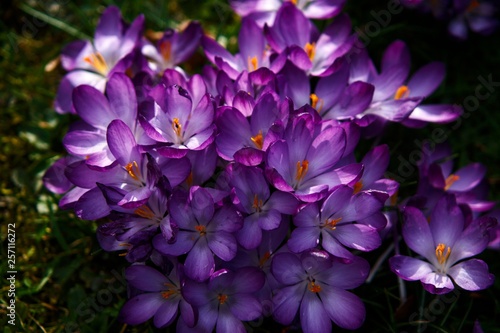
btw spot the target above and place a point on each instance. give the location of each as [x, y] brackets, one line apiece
[177, 127]
[264, 259]
[314, 102]
[201, 229]
[189, 179]
[402, 92]
[167, 293]
[145, 211]
[133, 170]
[450, 181]
[97, 61]
[302, 168]
[473, 5]
[257, 203]
[222, 298]
[332, 223]
[258, 140]
[310, 50]
[358, 186]
[253, 63]
[441, 256]
[166, 50]
[313, 287]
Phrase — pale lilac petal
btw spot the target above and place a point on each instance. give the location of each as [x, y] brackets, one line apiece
[417, 233]
[409, 268]
[357, 236]
[434, 113]
[446, 222]
[472, 275]
[122, 98]
[469, 177]
[121, 142]
[424, 81]
[436, 283]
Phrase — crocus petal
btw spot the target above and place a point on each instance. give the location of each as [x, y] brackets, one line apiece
[409, 268]
[199, 262]
[228, 323]
[184, 242]
[145, 278]
[469, 177]
[63, 102]
[246, 307]
[302, 239]
[433, 113]
[417, 234]
[92, 106]
[357, 236]
[472, 275]
[313, 317]
[248, 280]
[250, 236]
[166, 314]
[287, 268]
[286, 303]
[345, 309]
[122, 98]
[223, 245]
[141, 308]
[436, 283]
[426, 79]
[122, 143]
[446, 221]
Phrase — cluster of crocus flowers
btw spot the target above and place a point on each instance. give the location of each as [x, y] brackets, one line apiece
[238, 192]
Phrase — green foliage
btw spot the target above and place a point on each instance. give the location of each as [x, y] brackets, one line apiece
[66, 284]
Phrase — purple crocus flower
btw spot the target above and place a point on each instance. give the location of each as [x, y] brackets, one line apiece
[264, 11]
[253, 53]
[226, 299]
[93, 63]
[203, 230]
[333, 224]
[316, 283]
[176, 122]
[262, 209]
[292, 32]
[444, 242]
[87, 139]
[172, 48]
[304, 161]
[478, 16]
[246, 140]
[161, 299]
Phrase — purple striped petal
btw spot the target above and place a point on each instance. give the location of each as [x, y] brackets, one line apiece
[199, 262]
[417, 233]
[436, 283]
[472, 275]
[313, 317]
[344, 308]
[303, 239]
[223, 245]
[409, 268]
[141, 308]
[286, 303]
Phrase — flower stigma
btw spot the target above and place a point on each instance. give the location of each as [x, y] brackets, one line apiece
[257, 204]
[177, 127]
[97, 61]
[302, 168]
[313, 287]
[253, 63]
[201, 229]
[450, 180]
[358, 186]
[166, 50]
[332, 223]
[222, 298]
[402, 92]
[314, 102]
[441, 256]
[310, 50]
[258, 140]
[133, 170]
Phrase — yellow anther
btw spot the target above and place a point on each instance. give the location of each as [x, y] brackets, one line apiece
[257, 203]
[133, 170]
[302, 168]
[222, 298]
[358, 186]
[313, 287]
[177, 127]
[264, 259]
[189, 179]
[314, 102]
[146, 212]
[201, 229]
[258, 140]
[402, 92]
[97, 61]
[450, 180]
[310, 50]
[332, 223]
[253, 63]
[166, 50]
[167, 293]
[441, 256]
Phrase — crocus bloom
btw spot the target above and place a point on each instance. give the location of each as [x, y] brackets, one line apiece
[334, 223]
[317, 284]
[161, 299]
[178, 123]
[172, 48]
[264, 11]
[263, 209]
[303, 161]
[292, 32]
[444, 242]
[203, 231]
[226, 299]
[93, 63]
